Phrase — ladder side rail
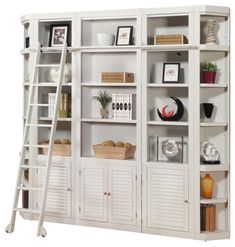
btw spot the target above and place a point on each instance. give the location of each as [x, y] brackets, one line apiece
[41, 230]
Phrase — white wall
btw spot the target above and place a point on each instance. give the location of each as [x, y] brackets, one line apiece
[11, 129]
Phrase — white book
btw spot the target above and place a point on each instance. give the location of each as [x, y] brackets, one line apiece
[114, 105]
[125, 107]
[130, 106]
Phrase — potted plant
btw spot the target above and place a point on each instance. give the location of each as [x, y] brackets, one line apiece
[104, 99]
[208, 72]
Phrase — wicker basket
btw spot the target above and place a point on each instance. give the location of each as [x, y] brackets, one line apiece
[172, 39]
[120, 153]
[117, 77]
[58, 149]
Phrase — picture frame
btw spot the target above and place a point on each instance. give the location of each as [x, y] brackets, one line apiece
[171, 73]
[58, 32]
[124, 35]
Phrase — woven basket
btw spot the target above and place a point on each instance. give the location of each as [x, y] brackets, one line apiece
[58, 149]
[120, 153]
[172, 39]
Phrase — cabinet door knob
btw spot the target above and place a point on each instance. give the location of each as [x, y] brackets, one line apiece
[69, 189]
[109, 194]
[185, 201]
[105, 193]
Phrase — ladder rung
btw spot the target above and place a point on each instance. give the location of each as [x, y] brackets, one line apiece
[42, 105]
[39, 125]
[32, 167]
[36, 146]
[29, 188]
[48, 65]
[27, 210]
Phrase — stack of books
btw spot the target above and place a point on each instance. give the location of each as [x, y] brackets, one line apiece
[123, 106]
[208, 217]
[64, 106]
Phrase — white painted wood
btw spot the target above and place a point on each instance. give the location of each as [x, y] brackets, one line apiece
[94, 193]
[167, 199]
[122, 199]
[88, 60]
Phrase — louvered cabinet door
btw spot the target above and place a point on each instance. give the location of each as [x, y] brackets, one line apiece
[167, 199]
[58, 201]
[122, 198]
[94, 192]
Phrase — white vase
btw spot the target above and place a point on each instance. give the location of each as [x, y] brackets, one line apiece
[105, 39]
[54, 73]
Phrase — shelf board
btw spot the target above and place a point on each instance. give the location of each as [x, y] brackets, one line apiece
[221, 124]
[214, 168]
[214, 200]
[205, 47]
[181, 47]
[112, 48]
[184, 85]
[108, 161]
[100, 120]
[167, 123]
[49, 84]
[213, 85]
[217, 234]
[99, 84]
[59, 119]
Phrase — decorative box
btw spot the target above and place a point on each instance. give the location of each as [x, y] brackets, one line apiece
[117, 77]
[171, 39]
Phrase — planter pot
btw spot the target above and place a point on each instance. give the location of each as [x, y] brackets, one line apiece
[208, 77]
[104, 113]
[207, 186]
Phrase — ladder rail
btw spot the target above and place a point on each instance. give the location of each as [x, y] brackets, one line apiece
[51, 139]
[25, 136]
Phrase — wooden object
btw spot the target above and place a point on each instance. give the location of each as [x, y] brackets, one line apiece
[207, 186]
[208, 217]
[119, 153]
[172, 39]
[117, 77]
[58, 149]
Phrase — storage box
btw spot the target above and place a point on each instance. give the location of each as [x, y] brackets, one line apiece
[117, 77]
[120, 153]
[173, 39]
[58, 149]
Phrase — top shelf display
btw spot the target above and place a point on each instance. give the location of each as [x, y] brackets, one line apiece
[106, 32]
[159, 27]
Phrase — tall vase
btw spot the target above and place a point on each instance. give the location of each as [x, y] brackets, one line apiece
[207, 186]
[211, 28]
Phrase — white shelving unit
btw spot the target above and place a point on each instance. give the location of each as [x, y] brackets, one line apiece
[143, 194]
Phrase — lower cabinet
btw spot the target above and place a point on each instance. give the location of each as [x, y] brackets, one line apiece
[58, 202]
[108, 193]
[167, 199]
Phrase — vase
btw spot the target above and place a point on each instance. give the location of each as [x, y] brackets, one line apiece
[207, 186]
[105, 39]
[54, 74]
[211, 29]
[208, 109]
[104, 113]
[208, 77]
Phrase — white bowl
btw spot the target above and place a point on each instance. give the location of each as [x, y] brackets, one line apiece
[54, 73]
[105, 39]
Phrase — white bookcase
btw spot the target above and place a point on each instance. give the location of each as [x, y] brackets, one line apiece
[143, 194]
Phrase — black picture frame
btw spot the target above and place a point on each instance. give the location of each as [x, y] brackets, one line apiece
[128, 39]
[52, 28]
[174, 73]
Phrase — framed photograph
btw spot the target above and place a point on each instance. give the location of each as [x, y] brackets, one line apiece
[124, 35]
[171, 72]
[58, 33]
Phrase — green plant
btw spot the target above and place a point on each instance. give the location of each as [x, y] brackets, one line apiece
[104, 98]
[209, 66]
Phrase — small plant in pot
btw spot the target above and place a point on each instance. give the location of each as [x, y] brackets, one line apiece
[104, 99]
[208, 72]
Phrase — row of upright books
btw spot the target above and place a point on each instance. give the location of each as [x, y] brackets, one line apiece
[64, 106]
[123, 106]
[208, 217]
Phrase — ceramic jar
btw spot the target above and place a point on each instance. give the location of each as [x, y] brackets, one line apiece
[105, 39]
[54, 73]
[207, 186]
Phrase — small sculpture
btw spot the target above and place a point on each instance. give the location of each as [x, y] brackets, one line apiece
[210, 155]
[208, 110]
[210, 31]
